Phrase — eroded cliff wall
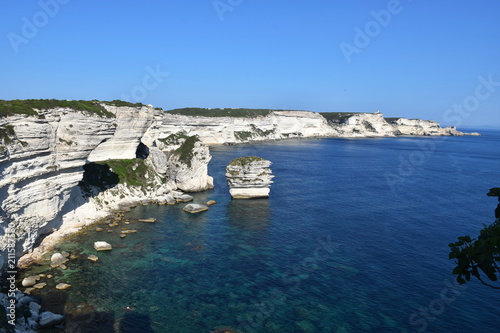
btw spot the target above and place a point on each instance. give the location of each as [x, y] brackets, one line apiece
[279, 125]
[42, 166]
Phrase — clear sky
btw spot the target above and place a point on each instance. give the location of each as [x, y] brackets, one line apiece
[435, 60]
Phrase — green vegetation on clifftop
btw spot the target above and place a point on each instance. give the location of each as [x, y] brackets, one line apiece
[245, 160]
[185, 151]
[133, 172]
[174, 138]
[28, 106]
[228, 112]
[118, 102]
[338, 117]
[7, 133]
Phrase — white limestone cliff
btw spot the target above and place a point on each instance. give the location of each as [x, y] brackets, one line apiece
[359, 124]
[278, 125]
[404, 126]
[42, 164]
[188, 166]
[131, 124]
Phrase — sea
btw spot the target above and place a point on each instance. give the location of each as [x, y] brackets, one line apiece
[353, 238]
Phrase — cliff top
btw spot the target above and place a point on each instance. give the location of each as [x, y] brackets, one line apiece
[240, 161]
[338, 116]
[29, 107]
[221, 112]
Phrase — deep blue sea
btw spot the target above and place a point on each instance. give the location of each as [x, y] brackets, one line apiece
[354, 238]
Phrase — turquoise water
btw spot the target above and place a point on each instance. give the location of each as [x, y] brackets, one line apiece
[354, 238]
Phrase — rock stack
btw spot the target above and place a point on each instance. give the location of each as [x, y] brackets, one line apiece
[249, 177]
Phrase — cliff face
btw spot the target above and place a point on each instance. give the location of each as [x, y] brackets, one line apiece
[41, 168]
[44, 160]
[360, 125]
[276, 125]
[295, 124]
[188, 166]
[403, 126]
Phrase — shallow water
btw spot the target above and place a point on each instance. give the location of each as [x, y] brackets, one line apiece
[354, 238]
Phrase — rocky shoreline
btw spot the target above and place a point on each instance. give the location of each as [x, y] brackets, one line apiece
[114, 224]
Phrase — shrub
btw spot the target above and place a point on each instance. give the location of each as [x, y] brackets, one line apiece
[28, 106]
[185, 151]
[228, 112]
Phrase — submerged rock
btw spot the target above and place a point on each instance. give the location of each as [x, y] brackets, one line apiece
[49, 319]
[249, 177]
[58, 259]
[62, 286]
[93, 258]
[195, 208]
[149, 220]
[30, 281]
[102, 246]
[185, 198]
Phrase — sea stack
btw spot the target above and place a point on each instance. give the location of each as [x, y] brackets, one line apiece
[249, 177]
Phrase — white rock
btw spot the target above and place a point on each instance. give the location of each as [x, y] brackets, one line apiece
[62, 286]
[132, 123]
[191, 175]
[249, 177]
[185, 198]
[249, 193]
[195, 208]
[30, 281]
[102, 246]
[93, 258]
[57, 259]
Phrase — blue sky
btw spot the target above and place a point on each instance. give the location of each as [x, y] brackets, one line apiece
[418, 59]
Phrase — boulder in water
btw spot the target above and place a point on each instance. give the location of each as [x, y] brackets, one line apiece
[102, 246]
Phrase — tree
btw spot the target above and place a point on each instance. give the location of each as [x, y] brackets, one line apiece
[475, 257]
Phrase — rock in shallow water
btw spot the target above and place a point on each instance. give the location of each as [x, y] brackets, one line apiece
[92, 258]
[195, 208]
[62, 286]
[48, 319]
[30, 280]
[185, 198]
[58, 259]
[149, 220]
[102, 246]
